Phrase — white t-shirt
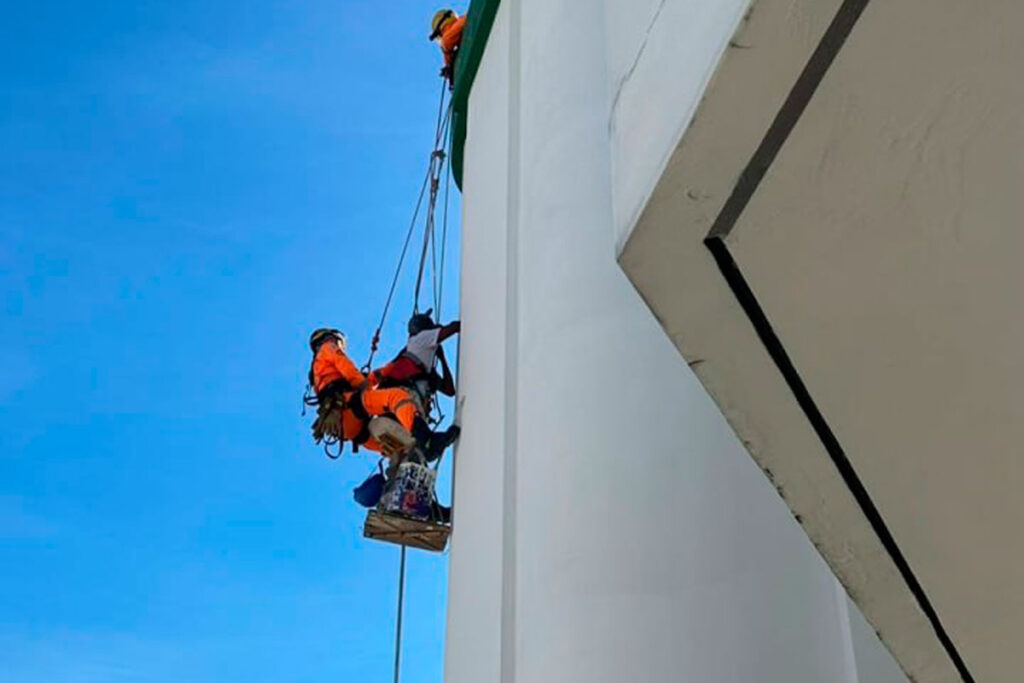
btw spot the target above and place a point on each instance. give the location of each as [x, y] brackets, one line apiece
[423, 346]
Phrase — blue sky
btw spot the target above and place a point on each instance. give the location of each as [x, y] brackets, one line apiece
[187, 189]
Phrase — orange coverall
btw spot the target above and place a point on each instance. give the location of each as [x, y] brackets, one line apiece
[331, 364]
[451, 38]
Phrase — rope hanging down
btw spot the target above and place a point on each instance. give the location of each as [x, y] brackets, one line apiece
[431, 181]
[439, 157]
[444, 244]
[398, 618]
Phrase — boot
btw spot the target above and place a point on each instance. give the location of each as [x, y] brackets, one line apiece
[433, 443]
[440, 441]
[442, 514]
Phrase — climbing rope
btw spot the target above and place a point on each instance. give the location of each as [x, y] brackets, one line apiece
[430, 189]
[438, 159]
[398, 618]
[431, 182]
[444, 241]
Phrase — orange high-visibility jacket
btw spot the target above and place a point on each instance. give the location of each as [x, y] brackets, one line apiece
[451, 38]
[331, 364]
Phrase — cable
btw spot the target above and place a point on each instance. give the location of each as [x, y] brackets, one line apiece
[444, 237]
[408, 236]
[433, 178]
[433, 270]
[397, 629]
[439, 268]
[437, 159]
[428, 230]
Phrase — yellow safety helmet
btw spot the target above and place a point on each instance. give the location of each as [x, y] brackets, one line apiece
[440, 20]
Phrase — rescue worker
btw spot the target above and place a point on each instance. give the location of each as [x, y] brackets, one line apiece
[345, 403]
[415, 364]
[447, 28]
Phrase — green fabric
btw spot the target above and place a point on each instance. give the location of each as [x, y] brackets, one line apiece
[479, 21]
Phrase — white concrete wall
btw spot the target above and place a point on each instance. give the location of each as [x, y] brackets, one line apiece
[661, 54]
[873, 662]
[475, 577]
[609, 526]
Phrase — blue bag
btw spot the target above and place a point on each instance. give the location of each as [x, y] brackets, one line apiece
[369, 492]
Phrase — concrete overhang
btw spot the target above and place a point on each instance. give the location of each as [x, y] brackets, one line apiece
[835, 246]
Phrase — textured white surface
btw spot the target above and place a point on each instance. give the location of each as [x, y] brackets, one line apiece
[662, 53]
[885, 247]
[609, 526]
[475, 573]
[668, 263]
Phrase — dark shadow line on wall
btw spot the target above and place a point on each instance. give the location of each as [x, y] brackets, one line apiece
[750, 179]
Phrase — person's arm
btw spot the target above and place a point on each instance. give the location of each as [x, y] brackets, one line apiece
[451, 39]
[447, 385]
[449, 330]
[348, 370]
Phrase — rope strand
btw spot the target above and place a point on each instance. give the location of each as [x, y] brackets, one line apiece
[441, 125]
[438, 158]
[398, 618]
[444, 238]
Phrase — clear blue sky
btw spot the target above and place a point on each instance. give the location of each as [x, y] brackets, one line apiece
[186, 189]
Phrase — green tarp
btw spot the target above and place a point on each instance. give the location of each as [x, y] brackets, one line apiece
[479, 20]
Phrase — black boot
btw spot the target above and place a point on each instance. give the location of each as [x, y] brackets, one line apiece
[440, 441]
[433, 443]
[442, 514]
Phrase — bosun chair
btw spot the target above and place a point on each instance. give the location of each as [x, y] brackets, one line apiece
[391, 526]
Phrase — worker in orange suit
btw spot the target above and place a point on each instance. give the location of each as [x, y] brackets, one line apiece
[447, 28]
[345, 404]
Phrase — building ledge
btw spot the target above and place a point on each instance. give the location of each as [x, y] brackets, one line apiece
[805, 249]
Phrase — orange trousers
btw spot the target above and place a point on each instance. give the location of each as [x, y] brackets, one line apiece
[376, 402]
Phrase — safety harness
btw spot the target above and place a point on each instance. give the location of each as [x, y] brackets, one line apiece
[331, 402]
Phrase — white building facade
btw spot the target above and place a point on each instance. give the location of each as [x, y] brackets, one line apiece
[609, 524]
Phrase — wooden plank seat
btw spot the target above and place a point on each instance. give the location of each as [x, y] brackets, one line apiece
[400, 530]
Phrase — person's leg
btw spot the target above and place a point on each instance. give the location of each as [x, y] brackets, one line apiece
[372, 445]
[433, 442]
[399, 403]
[352, 427]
